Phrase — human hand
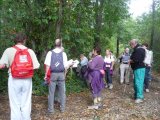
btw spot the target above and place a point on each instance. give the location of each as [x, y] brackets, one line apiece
[2, 66]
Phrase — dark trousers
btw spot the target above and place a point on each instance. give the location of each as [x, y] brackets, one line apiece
[108, 76]
[147, 77]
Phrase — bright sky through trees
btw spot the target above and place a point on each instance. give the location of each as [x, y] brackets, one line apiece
[138, 7]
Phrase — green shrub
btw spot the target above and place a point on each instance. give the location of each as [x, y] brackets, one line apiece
[74, 83]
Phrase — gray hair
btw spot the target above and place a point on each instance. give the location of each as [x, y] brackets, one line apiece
[134, 41]
[58, 42]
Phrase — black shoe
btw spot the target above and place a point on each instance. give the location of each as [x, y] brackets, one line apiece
[50, 113]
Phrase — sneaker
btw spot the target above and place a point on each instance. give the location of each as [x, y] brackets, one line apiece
[138, 101]
[95, 101]
[127, 83]
[121, 82]
[111, 87]
[147, 90]
[50, 113]
[93, 107]
[99, 99]
[106, 86]
[63, 110]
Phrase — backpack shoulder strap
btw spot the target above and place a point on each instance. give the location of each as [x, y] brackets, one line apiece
[17, 48]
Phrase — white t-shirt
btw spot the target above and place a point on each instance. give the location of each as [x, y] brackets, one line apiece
[56, 50]
[108, 59]
[9, 53]
[148, 57]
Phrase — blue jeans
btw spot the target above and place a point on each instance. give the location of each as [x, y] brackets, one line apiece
[108, 76]
[147, 77]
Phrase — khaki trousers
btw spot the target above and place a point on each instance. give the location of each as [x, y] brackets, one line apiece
[124, 73]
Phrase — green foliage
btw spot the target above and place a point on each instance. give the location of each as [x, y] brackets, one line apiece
[146, 25]
[74, 83]
[3, 81]
[38, 87]
[78, 22]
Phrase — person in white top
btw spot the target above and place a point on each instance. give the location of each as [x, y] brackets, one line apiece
[148, 64]
[109, 63]
[19, 89]
[56, 61]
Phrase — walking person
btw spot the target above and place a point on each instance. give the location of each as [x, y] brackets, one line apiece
[21, 62]
[96, 72]
[137, 64]
[109, 63]
[148, 64]
[56, 61]
[124, 67]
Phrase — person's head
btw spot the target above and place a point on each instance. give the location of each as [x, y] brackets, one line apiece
[58, 42]
[81, 56]
[145, 45]
[127, 50]
[20, 38]
[133, 43]
[96, 50]
[111, 52]
[108, 52]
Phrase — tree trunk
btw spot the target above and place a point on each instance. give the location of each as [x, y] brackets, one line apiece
[98, 25]
[153, 24]
[60, 19]
[118, 39]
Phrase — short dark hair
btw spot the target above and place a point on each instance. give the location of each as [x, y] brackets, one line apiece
[97, 49]
[20, 38]
[145, 44]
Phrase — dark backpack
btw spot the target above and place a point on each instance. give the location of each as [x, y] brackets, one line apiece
[57, 62]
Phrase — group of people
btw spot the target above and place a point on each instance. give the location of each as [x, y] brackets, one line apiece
[141, 61]
[22, 61]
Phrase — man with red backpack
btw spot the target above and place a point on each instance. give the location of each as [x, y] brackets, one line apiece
[21, 62]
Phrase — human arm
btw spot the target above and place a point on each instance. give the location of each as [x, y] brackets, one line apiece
[2, 66]
[4, 62]
[47, 72]
[65, 61]
[92, 64]
[36, 64]
[113, 62]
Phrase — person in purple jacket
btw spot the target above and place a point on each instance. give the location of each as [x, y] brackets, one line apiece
[95, 75]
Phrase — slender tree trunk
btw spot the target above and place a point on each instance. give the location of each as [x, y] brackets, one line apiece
[118, 39]
[60, 19]
[98, 25]
[153, 24]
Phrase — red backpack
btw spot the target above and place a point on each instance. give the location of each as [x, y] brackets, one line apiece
[22, 65]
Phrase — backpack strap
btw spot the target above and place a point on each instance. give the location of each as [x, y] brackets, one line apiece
[17, 48]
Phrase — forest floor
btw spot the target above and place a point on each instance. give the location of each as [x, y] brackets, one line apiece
[118, 104]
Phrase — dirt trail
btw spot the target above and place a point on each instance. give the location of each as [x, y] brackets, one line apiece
[118, 104]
